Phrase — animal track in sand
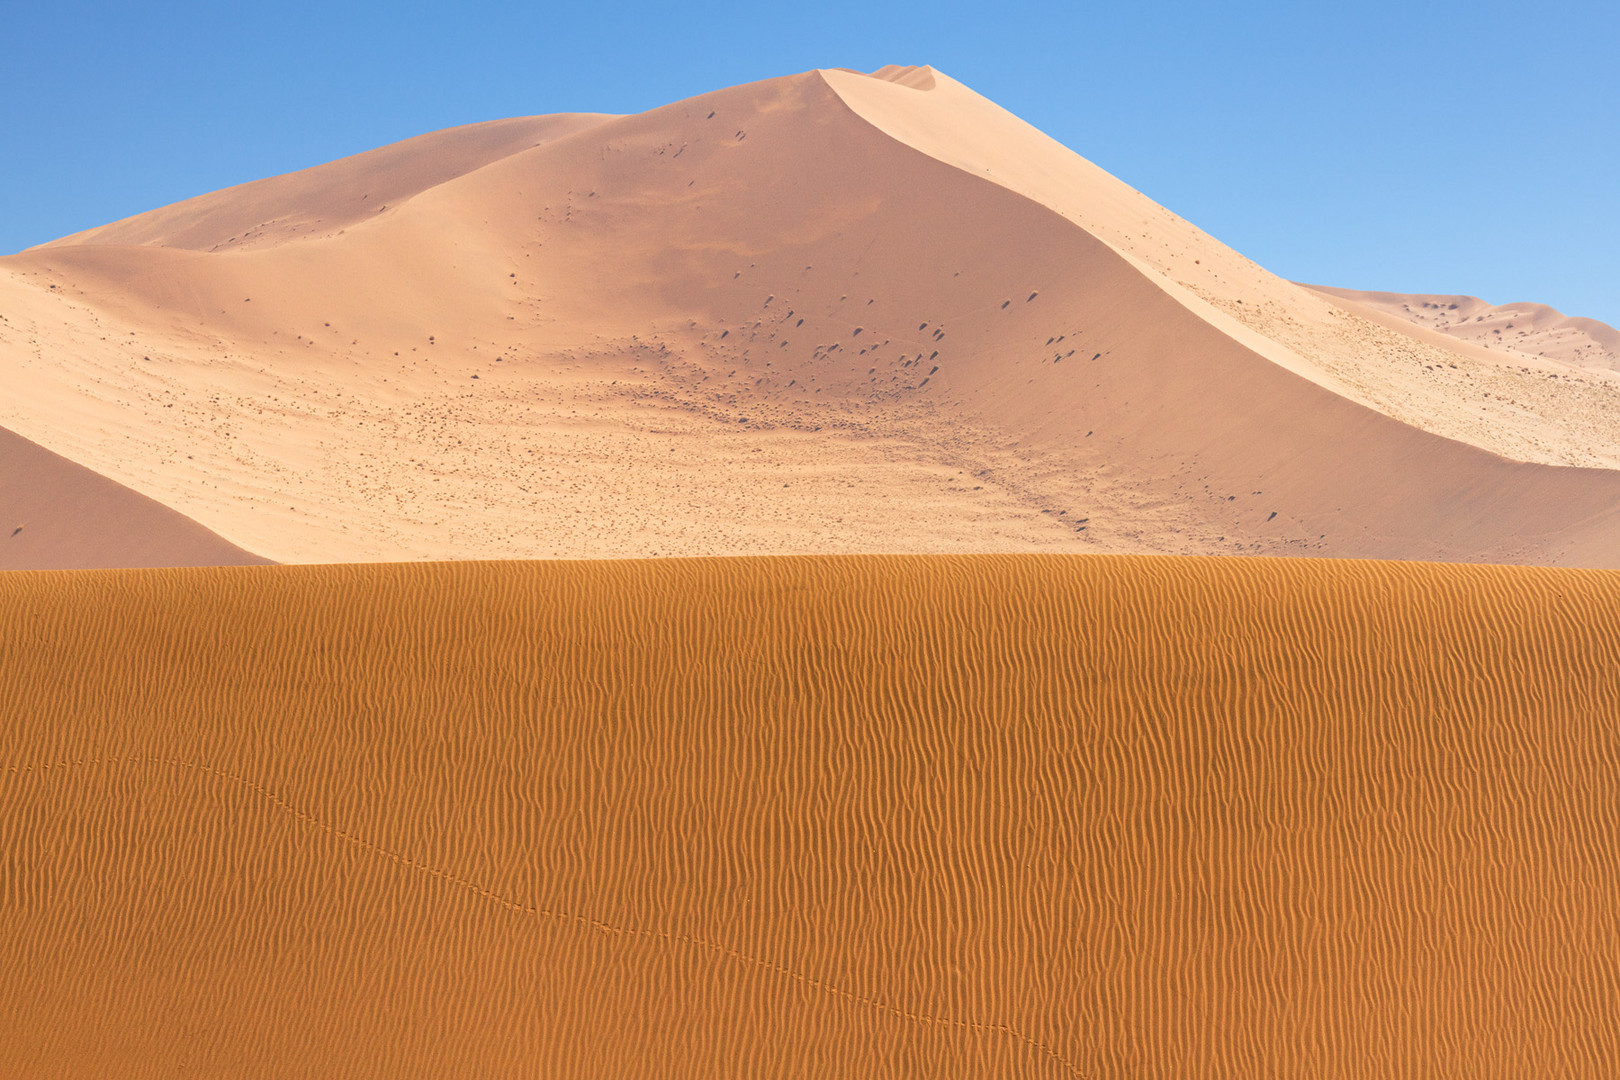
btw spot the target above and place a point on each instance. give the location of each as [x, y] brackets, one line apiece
[546, 914]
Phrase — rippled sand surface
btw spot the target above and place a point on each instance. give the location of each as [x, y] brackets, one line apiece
[811, 816]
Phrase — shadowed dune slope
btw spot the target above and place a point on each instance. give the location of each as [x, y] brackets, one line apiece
[868, 816]
[872, 314]
[55, 515]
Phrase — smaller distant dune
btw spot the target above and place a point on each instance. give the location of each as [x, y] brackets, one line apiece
[1534, 331]
[56, 515]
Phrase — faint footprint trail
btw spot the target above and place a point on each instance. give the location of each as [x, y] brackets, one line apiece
[927, 1019]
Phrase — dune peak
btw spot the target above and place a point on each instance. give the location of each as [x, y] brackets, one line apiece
[913, 76]
[547, 326]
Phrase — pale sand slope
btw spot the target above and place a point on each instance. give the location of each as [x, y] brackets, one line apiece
[1492, 404]
[331, 196]
[762, 321]
[58, 515]
[878, 817]
[1532, 332]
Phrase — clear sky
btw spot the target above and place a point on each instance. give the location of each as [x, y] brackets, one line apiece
[1409, 146]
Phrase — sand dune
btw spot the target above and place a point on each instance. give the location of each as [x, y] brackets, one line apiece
[1345, 348]
[1534, 332]
[960, 804]
[329, 197]
[55, 515]
[824, 313]
[1009, 816]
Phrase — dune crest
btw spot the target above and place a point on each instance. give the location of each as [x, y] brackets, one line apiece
[1470, 398]
[325, 198]
[917, 78]
[947, 816]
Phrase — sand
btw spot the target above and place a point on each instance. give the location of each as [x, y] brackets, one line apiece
[326, 198]
[905, 788]
[738, 325]
[943, 816]
[1422, 380]
[55, 515]
[1534, 333]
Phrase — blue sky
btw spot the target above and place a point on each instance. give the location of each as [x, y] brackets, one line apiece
[1407, 146]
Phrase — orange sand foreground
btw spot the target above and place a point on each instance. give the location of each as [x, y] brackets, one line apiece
[927, 816]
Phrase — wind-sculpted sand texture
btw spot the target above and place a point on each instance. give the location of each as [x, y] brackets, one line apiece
[826, 313]
[875, 816]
